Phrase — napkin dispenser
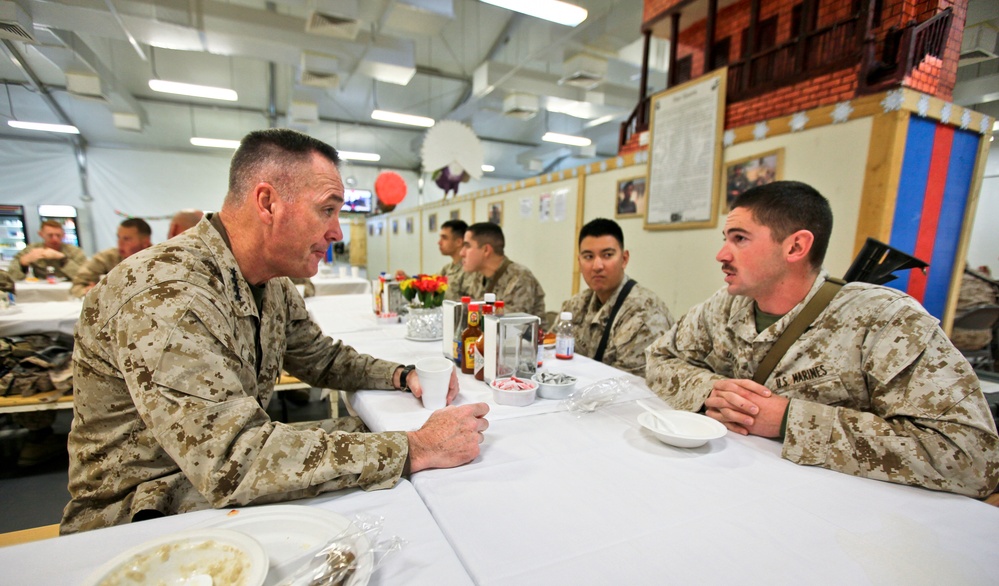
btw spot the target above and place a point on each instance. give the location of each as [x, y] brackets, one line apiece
[389, 297]
[510, 345]
[452, 314]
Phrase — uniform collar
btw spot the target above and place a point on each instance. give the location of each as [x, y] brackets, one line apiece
[743, 317]
[212, 232]
[600, 311]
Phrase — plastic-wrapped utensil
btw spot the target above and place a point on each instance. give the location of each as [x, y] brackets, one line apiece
[603, 392]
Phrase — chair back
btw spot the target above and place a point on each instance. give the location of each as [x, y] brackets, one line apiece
[877, 261]
[981, 317]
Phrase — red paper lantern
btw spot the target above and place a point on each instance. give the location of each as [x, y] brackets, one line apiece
[390, 188]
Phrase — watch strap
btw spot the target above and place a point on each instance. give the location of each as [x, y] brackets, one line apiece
[403, 385]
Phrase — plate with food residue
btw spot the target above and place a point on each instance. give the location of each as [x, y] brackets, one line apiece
[203, 557]
[293, 534]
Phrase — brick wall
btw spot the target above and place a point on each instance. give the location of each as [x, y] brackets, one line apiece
[818, 91]
[932, 76]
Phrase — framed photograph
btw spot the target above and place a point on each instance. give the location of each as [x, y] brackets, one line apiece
[496, 213]
[432, 223]
[409, 225]
[395, 227]
[630, 202]
[685, 154]
[371, 229]
[378, 229]
[748, 172]
[455, 215]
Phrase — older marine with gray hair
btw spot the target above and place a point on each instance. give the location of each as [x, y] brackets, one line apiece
[178, 350]
[872, 388]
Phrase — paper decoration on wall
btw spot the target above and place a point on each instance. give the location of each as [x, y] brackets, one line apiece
[390, 188]
[452, 154]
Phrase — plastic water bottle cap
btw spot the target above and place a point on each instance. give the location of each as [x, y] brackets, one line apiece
[565, 316]
[489, 297]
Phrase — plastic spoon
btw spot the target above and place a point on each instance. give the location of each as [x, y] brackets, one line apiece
[666, 423]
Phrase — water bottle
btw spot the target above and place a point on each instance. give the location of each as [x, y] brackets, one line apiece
[565, 342]
[50, 275]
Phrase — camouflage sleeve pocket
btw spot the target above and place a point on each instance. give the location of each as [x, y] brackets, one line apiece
[196, 362]
[897, 343]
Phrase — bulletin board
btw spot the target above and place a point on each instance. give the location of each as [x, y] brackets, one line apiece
[685, 154]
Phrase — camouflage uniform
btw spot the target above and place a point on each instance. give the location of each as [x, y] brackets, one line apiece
[642, 319]
[65, 268]
[91, 272]
[516, 287]
[876, 388]
[976, 289]
[459, 282]
[171, 384]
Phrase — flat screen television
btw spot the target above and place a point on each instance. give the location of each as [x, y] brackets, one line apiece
[357, 200]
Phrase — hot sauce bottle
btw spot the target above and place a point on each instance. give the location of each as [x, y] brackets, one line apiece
[468, 339]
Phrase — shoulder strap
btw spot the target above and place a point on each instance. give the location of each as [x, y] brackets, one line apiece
[798, 325]
[599, 356]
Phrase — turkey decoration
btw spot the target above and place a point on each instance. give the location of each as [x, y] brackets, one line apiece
[452, 154]
[390, 188]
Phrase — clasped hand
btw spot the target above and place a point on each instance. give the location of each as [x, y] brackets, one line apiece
[746, 407]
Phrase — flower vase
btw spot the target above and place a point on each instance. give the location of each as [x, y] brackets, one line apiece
[425, 323]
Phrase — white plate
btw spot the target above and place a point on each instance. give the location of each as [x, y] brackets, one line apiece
[437, 339]
[206, 556]
[692, 429]
[292, 534]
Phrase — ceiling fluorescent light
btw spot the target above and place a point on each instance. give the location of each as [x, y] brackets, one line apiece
[566, 139]
[408, 119]
[189, 89]
[553, 10]
[218, 143]
[64, 128]
[355, 156]
[488, 168]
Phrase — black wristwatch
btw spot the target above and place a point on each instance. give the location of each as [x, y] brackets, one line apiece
[405, 375]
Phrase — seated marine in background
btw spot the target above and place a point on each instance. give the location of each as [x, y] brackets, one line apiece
[64, 259]
[513, 283]
[872, 387]
[179, 348]
[133, 235]
[616, 318]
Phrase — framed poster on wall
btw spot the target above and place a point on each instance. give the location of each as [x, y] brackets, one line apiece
[685, 148]
[742, 174]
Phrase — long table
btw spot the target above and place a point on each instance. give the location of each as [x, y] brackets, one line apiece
[47, 316]
[40, 291]
[426, 558]
[559, 498]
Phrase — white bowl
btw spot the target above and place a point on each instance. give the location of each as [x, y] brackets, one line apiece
[691, 430]
[204, 556]
[514, 398]
[554, 391]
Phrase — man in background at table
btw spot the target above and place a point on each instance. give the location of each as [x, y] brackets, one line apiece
[459, 283]
[513, 283]
[133, 235]
[872, 388]
[65, 259]
[179, 348]
[184, 220]
[616, 318]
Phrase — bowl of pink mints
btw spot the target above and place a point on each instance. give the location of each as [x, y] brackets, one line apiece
[514, 391]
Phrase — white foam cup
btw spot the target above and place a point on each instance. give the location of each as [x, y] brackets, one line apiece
[355, 272]
[435, 376]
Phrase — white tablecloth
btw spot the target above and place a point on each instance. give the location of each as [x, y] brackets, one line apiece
[426, 558]
[34, 292]
[597, 500]
[47, 316]
[340, 285]
[559, 498]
